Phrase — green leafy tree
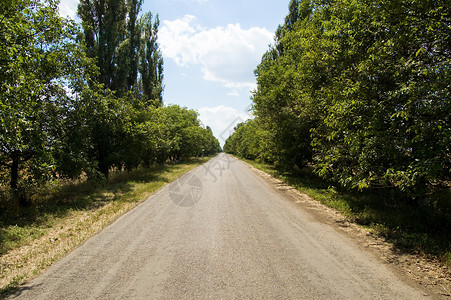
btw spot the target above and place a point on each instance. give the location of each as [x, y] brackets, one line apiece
[249, 141]
[210, 145]
[104, 26]
[71, 103]
[283, 100]
[387, 106]
[133, 35]
[150, 62]
[363, 87]
[131, 71]
[39, 60]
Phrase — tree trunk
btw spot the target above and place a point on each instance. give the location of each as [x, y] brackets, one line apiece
[104, 168]
[14, 173]
[19, 200]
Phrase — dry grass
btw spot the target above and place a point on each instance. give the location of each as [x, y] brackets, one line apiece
[69, 216]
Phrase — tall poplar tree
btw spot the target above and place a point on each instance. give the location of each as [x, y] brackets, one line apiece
[133, 36]
[150, 61]
[104, 26]
[125, 47]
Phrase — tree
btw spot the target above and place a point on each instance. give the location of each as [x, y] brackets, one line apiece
[387, 106]
[131, 71]
[133, 35]
[283, 100]
[104, 27]
[210, 145]
[71, 103]
[39, 60]
[150, 62]
[363, 87]
[249, 141]
[297, 10]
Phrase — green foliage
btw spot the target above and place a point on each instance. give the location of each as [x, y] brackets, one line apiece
[285, 99]
[386, 121]
[360, 90]
[184, 136]
[79, 104]
[250, 141]
[150, 62]
[104, 28]
[39, 59]
[124, 48]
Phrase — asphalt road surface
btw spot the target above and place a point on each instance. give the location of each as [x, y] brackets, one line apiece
[219, 232]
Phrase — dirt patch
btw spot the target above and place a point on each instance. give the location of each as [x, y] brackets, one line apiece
[430, 274]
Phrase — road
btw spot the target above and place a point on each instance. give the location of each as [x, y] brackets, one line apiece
[219, 232]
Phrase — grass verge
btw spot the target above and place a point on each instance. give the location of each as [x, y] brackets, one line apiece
[65, 215]
[418, 228]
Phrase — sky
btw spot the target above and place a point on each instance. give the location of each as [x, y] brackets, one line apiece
[210, 50]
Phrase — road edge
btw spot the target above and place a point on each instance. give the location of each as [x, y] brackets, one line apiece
[49, 249]
[416, 271]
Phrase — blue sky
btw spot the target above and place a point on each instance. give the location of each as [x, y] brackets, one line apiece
[210, 50]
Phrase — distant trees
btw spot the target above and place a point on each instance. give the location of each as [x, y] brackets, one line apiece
[361, 91]
[76, 103]
[250, 141]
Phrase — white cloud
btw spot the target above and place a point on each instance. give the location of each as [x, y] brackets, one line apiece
[222, 120]
[68, 8]
[233, 93]
[225, 54]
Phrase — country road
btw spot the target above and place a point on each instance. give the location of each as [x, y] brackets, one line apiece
[219, 232]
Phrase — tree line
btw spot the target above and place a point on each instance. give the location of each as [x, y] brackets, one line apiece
[85, 100]
[360, 91]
